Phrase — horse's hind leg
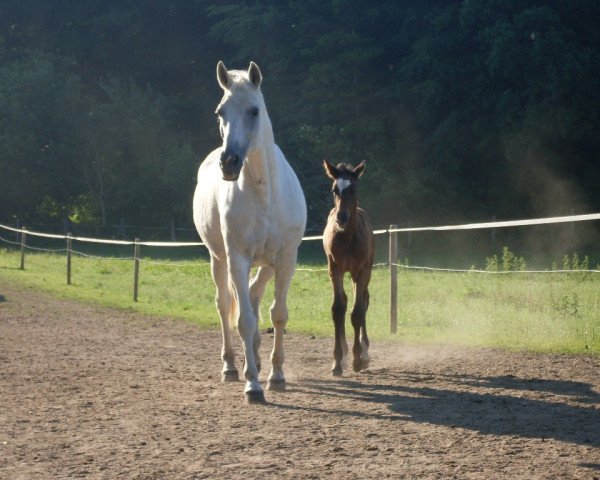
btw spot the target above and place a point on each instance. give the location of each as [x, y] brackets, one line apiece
[224, 306]
[257, 290]
[279, 318]
[360, 350]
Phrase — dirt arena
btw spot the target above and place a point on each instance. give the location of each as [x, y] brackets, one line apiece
[90, 392]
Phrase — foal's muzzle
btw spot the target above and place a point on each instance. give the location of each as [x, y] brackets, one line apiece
[342, 218]
[230, 164]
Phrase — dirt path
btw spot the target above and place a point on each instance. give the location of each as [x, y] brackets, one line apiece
[89, 392]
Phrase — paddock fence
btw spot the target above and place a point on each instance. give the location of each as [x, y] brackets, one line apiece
[22, 234]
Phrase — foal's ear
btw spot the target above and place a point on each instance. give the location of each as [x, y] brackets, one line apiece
[223, 76]
[254, 74]
[359, 169]
[330, 170]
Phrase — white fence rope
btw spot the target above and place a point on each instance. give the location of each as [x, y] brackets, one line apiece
[468, 226]
[6, 240]
[172, 264]
[511, 223]
[473, 270]
[98, 257]
[391, 264]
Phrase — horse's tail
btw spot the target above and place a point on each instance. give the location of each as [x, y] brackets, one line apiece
[233, 309]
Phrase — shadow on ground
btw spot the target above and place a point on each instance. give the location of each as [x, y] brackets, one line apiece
[505, 405]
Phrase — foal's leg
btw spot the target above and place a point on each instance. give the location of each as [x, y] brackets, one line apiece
[360, 350]
[224, 305]
[257, 290]
[279, 318]
[338, 313]
[247, 325]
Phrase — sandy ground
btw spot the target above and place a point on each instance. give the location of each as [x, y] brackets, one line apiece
[90, 392]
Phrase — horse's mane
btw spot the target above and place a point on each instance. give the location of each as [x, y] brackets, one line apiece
[238, 76]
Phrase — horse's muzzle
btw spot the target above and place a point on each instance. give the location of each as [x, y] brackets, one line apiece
[231, 165]
[341, 219]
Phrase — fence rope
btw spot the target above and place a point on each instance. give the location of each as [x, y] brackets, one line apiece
[97, 257]
[9, 241]
[510, 223]
[467, 226]
[473, 270]
[172, 264]
[49, 250]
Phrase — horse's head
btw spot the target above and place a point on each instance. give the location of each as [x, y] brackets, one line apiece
[239, 112]
[345, 196]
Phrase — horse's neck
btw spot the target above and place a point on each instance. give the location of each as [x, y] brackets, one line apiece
[259, 169]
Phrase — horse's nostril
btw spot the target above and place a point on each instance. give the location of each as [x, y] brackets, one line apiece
[229, 160]
[342, 217]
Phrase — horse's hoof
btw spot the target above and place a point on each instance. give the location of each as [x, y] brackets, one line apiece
[230, 376]
[364, 364]
[356, 365]
[254, 397]
[336, 372]
[276, 385]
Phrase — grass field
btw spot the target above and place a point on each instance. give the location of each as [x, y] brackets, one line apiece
[539, 312]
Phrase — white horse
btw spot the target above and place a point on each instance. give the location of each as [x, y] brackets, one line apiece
[250, 211]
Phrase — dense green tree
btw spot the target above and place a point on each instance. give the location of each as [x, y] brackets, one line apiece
[40, 108]
[462, 109]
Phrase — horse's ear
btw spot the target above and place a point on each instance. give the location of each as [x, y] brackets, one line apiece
[223, 76]
[359, 169]
[330, 170]
[254, 74]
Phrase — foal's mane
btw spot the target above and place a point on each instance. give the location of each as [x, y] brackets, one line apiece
[345, 169]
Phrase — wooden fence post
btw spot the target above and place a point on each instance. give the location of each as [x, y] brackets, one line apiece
[69, 243]
[23, 246]
[136, 268]
[393, 263]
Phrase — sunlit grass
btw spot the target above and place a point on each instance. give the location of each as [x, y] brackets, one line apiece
[539, 312]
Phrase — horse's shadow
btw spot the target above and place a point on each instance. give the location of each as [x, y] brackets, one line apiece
[499, 406]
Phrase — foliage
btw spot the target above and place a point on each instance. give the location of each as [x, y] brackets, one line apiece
[507, 262]
[463, 109]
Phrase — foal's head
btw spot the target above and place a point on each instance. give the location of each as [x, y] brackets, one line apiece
[345, 178]
[240, 112]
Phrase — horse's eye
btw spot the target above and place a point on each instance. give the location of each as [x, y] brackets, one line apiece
[254, 111]
[335, 190]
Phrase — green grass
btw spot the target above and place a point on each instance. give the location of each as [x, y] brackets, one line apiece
[538, 312]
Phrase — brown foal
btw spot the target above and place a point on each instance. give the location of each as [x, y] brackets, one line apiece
[349, 246]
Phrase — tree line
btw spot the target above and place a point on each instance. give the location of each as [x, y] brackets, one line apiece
[462, 109]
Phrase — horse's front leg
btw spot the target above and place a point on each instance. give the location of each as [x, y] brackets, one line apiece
[257, 290]
[360, 349]
[247, 325]
[338, 313]
[279, 318]
[224, 307]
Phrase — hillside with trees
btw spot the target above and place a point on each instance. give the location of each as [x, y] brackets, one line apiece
[464, 110]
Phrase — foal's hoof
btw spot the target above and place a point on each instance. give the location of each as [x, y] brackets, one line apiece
[254, 397]
[276, 385]
[359, 365]
[230, 376]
